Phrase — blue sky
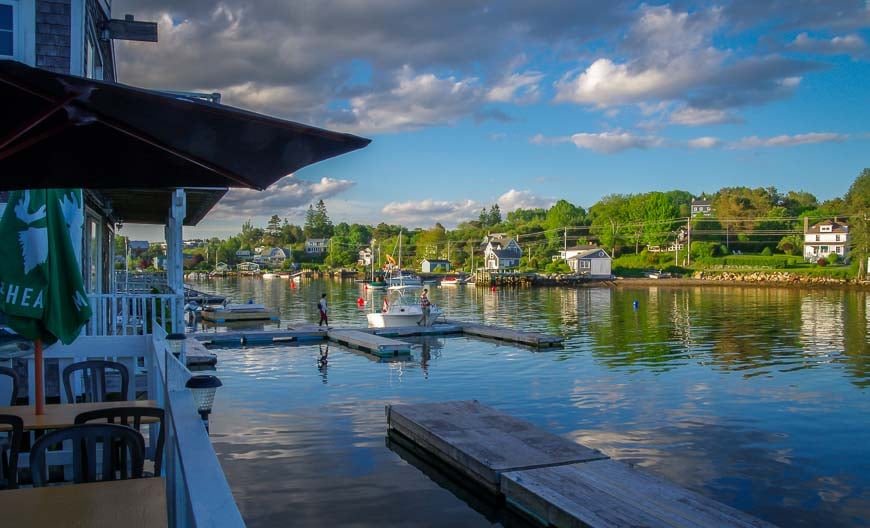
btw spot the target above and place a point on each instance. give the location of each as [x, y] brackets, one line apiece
[471, 103]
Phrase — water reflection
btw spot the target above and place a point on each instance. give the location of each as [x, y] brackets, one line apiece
[750, 396]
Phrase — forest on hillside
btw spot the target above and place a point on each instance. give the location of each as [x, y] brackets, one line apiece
[750, 220]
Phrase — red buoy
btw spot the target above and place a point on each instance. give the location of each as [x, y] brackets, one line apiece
[360, 302]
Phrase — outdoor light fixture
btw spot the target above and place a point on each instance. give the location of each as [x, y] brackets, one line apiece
[176, 345]
[203, 387]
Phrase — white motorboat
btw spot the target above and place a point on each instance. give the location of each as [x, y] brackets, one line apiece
[238, 312]
[401, 308]
[453, 281]
[270, 275]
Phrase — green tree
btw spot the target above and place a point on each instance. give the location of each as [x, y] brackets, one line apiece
[857, 201]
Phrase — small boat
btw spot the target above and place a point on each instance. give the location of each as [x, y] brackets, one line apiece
[283, 275]
[238, 312]
[401, 309]
[220, 270]
[270, 275]
[453, 281]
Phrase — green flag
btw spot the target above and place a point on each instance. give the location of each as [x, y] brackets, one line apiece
[41, 289]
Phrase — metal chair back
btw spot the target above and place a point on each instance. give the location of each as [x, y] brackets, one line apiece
[132, 417]
[93, 374]
[122, 457]
[10, 444]
[15, 382]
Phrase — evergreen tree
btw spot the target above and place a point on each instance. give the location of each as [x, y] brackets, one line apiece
[494, 217]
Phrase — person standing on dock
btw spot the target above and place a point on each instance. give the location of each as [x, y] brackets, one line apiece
[424, 306]
[323, 309]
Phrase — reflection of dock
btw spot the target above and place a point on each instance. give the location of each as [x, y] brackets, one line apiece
[382, 342]
[550, 478]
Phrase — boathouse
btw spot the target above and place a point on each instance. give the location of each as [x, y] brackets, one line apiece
[593, 263]
[433, 265]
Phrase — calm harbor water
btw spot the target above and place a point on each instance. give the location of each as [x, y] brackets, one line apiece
[756, 397]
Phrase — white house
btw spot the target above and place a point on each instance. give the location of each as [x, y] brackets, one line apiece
[594, 263]
[825, 238]
[501, 252]
[364, 257]
[702, 207]
[316, 246]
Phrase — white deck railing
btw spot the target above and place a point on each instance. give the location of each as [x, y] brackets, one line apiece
[123, 314]
[197, 492]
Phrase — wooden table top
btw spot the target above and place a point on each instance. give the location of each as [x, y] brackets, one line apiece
[58, 416]
[128, 503]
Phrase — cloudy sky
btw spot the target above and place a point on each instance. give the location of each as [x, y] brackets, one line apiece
[471, 102]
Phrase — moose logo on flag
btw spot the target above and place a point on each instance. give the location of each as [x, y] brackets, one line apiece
[41, 289]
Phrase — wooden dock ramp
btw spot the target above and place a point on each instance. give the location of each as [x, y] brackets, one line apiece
[549, 478]
[499, 333]
[371, 343]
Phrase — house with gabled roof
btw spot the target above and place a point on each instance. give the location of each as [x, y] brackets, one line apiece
[594, 263]
[825, 238]
[702, 206]
[500, 252]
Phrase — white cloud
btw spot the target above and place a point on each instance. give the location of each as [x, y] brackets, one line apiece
[789, 141]
[419, 213]
[851, 44]
[514, 199]
[671, 57]
[288, 198]
[613, 142]
[705, 142]
[517, 88]
[541, 139]
[699, 116]
[416, 101]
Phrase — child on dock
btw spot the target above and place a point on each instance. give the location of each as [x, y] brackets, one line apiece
[424, 306]
[323, 309]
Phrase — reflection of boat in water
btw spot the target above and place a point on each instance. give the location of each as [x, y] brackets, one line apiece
[238, 312]
[401, 309]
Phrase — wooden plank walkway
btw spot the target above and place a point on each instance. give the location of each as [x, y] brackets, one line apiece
[549, 478]
[508, 334]
[482, 441]
[374, 344]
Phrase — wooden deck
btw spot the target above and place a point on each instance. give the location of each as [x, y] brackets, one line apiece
[371, 343]
[534, 339]
[549, 478]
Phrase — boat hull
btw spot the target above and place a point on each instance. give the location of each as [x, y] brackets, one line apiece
[401, 316]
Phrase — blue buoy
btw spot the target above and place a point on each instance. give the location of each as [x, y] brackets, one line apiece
[635, 304]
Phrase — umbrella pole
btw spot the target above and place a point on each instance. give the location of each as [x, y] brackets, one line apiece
[37, 358]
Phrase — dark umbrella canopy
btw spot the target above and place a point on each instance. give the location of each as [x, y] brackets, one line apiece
[64, 131]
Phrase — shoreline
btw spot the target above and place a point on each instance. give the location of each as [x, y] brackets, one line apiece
[682, 282]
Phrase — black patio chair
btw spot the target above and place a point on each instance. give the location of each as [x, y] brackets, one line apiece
[10, 444]
[123, 453]
[94, 380]
[6, 371]
[132, 417]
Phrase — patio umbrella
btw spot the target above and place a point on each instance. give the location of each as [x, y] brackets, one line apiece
[41, 290]
[61, 131]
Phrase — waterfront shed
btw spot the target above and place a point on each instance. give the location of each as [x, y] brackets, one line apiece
[593, 263]
[433, 265]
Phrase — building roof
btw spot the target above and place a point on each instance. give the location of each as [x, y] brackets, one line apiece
[510, 253]
[701, 202]
[836, 227]
[591, 253]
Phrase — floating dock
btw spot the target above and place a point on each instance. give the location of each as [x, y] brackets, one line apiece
[534, 339]
[381, 342]
[551, 479]
[371, 343]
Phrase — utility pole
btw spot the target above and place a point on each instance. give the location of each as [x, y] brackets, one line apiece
[689, 241]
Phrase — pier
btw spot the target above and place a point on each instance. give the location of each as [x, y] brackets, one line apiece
[381, 342]
[550, 479]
